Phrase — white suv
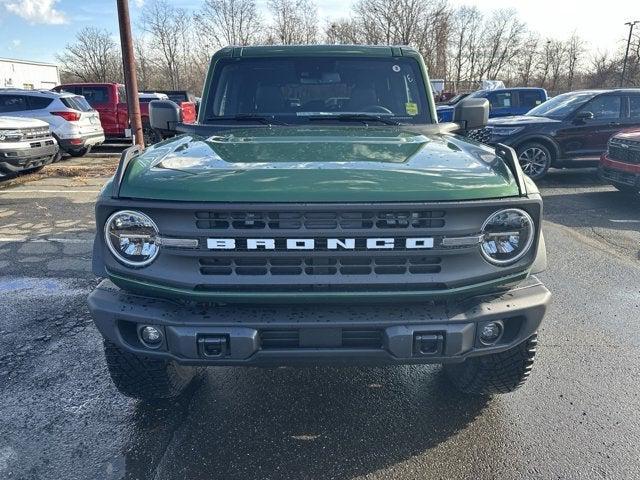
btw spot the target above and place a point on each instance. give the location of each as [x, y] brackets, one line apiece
[75, 125]
[26, 145]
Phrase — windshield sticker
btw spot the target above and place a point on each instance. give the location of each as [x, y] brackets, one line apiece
[411, 108]
[396, 68]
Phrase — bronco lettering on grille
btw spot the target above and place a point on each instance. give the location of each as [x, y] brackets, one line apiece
[329, 244]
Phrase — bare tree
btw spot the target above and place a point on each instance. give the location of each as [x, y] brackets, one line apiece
[166, 28]
[526, 62]
[293, 22]
[464, 29]
[228, 22]
[343, 31]
[575, 50]
[93, 57]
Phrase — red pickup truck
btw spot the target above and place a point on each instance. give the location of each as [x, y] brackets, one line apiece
[110, 100]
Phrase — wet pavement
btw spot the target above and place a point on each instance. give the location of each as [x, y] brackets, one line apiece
[577, 417]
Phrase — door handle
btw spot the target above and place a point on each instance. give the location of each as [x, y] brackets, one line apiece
[614, 124]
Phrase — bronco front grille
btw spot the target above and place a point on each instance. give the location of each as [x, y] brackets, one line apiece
[320, 266]
[627, 151]
[482, 135]
[326, 221]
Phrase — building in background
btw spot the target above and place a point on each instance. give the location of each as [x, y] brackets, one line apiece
[28, 74]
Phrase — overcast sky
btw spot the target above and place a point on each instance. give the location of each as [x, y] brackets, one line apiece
[38, 29]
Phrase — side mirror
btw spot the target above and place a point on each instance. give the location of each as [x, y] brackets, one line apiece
[164, 115]
[472, 113]
[582, 116]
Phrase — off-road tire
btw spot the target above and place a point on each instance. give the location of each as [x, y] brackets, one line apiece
[500, 372]
[539, 171]
[145, 378]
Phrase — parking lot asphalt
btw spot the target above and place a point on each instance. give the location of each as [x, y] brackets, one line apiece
[577, 417]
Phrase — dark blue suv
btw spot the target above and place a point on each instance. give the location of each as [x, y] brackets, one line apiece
[503, 102]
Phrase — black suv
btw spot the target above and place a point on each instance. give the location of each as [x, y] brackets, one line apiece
[571, 129]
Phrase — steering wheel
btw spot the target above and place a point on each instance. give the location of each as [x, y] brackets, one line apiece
[377, 109]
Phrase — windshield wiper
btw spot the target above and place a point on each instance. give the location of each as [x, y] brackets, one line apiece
[249, 117]
[354, 117]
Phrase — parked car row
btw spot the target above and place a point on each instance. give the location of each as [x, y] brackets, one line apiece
[110, 100]
[572, 129]
[502, 101]
[77, 117]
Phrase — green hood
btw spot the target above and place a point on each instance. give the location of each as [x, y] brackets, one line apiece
[318, 164]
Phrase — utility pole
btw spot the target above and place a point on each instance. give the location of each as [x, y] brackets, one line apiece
[626, 54]
[129, 67]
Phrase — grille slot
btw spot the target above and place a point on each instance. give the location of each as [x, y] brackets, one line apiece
[325, 221]
[274, 339]
[277, 339]
[361, 338]
[320, 266]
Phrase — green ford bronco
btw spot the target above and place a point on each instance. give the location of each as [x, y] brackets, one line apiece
[317, 213]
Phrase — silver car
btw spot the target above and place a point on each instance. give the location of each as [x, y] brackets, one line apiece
[74, 124]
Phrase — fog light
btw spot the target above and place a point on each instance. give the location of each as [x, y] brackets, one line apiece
[151, 336]
[490, 332]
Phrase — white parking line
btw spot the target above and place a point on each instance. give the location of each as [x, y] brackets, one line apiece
[44, 240]
[18, 190]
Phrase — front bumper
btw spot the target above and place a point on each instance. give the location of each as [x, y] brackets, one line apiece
[319, 334]
[619, 173]
[18, 157]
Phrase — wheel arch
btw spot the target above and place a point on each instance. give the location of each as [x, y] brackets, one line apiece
[546, 141]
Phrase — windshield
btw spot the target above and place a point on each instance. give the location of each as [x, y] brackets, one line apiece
[562, 105]
[299, 90]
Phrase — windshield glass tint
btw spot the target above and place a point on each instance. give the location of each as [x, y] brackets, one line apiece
[562, 105]
[294, 89]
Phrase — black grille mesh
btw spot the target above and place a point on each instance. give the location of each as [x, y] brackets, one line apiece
[320, 266]
[326, 221]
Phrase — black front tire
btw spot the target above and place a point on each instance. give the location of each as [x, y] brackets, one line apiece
[146, 378]
[501, 372]
[79, 153]
[535, 159]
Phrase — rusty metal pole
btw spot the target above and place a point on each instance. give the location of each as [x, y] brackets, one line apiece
[129, 67]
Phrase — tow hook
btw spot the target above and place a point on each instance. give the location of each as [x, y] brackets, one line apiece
[213, 346]
[427, 344]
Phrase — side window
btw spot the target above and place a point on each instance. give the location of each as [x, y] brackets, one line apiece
[12, 103]
[122, 94]
[95, 95]
[70, 89]
[606, 107]
[500, 100]
[530, 99]
[634, 107]
[38, 103]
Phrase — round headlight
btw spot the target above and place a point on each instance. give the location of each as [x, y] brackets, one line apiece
[132, 237]
[507, 236]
